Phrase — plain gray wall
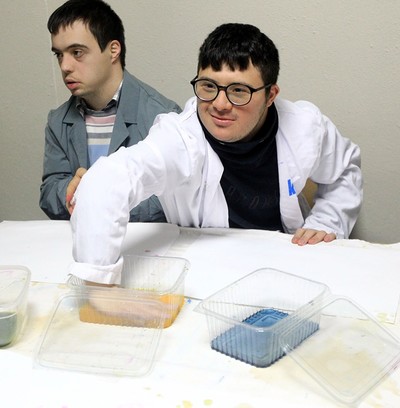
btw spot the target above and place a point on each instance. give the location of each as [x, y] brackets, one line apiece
[343, 55]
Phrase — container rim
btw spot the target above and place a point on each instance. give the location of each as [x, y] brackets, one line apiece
[127, 291]
[24, 288]
[202, 306]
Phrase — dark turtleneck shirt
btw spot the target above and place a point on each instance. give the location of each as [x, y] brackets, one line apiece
[250, 180]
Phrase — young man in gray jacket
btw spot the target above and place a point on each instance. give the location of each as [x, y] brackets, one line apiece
[109, 107]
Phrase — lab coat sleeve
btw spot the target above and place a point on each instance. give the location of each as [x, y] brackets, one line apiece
[337, 172]
[112, 187]
[104, 197]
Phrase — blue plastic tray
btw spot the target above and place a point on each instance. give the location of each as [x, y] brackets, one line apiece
[260, 348]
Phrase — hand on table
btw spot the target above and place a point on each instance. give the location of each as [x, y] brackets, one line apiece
[71, 188]
[109, 307]
[311, 237]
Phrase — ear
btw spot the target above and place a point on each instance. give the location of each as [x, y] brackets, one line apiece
[273, 93]
[115, 50]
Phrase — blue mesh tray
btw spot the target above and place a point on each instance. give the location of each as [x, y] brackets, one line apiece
[260, 348]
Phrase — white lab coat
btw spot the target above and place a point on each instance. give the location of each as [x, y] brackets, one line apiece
[176, 163]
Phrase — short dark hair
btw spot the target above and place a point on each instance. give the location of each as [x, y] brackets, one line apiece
[237, 45]
[103, 22]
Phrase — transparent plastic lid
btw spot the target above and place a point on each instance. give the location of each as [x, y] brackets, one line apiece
[348, 354]
[14, 283]
[102, 333]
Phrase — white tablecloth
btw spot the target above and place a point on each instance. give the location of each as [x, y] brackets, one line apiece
[187, 373]
[367, 273]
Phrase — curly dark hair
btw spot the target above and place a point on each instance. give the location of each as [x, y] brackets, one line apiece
[236, 45]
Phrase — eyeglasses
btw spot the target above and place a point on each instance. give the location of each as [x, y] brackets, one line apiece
[237, 94]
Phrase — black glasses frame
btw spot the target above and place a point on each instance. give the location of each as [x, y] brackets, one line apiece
[220, 88]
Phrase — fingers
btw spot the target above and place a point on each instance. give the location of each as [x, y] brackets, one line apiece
[309, 236]
[329, 237]
[131, 313]
[71, 188]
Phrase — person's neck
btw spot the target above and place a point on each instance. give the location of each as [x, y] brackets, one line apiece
[106, 93]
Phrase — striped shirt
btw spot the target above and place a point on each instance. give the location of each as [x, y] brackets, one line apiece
[99, 127]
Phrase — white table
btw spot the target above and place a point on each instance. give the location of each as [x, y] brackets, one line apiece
[187, 372]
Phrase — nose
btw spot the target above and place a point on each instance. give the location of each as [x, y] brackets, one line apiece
[66, 63]
[221, 102]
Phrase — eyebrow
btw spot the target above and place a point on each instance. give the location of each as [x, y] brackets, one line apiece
[76, 45]
[217, 83]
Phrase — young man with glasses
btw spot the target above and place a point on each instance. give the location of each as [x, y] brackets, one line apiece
[237, 156]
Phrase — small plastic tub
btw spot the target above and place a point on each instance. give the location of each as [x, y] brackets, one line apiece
[246, 318]
[14, 286]
[158, 278]
[123, 341]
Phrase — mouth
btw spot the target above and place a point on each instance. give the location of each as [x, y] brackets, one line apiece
[71, 85]
[221, 120]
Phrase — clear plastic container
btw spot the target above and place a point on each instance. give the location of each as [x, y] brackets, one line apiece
[122, 341]
[14, 287]
[157, 278]
[246, 318]
[269, 313]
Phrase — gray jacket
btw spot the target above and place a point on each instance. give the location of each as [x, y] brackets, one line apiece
[66, 144]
